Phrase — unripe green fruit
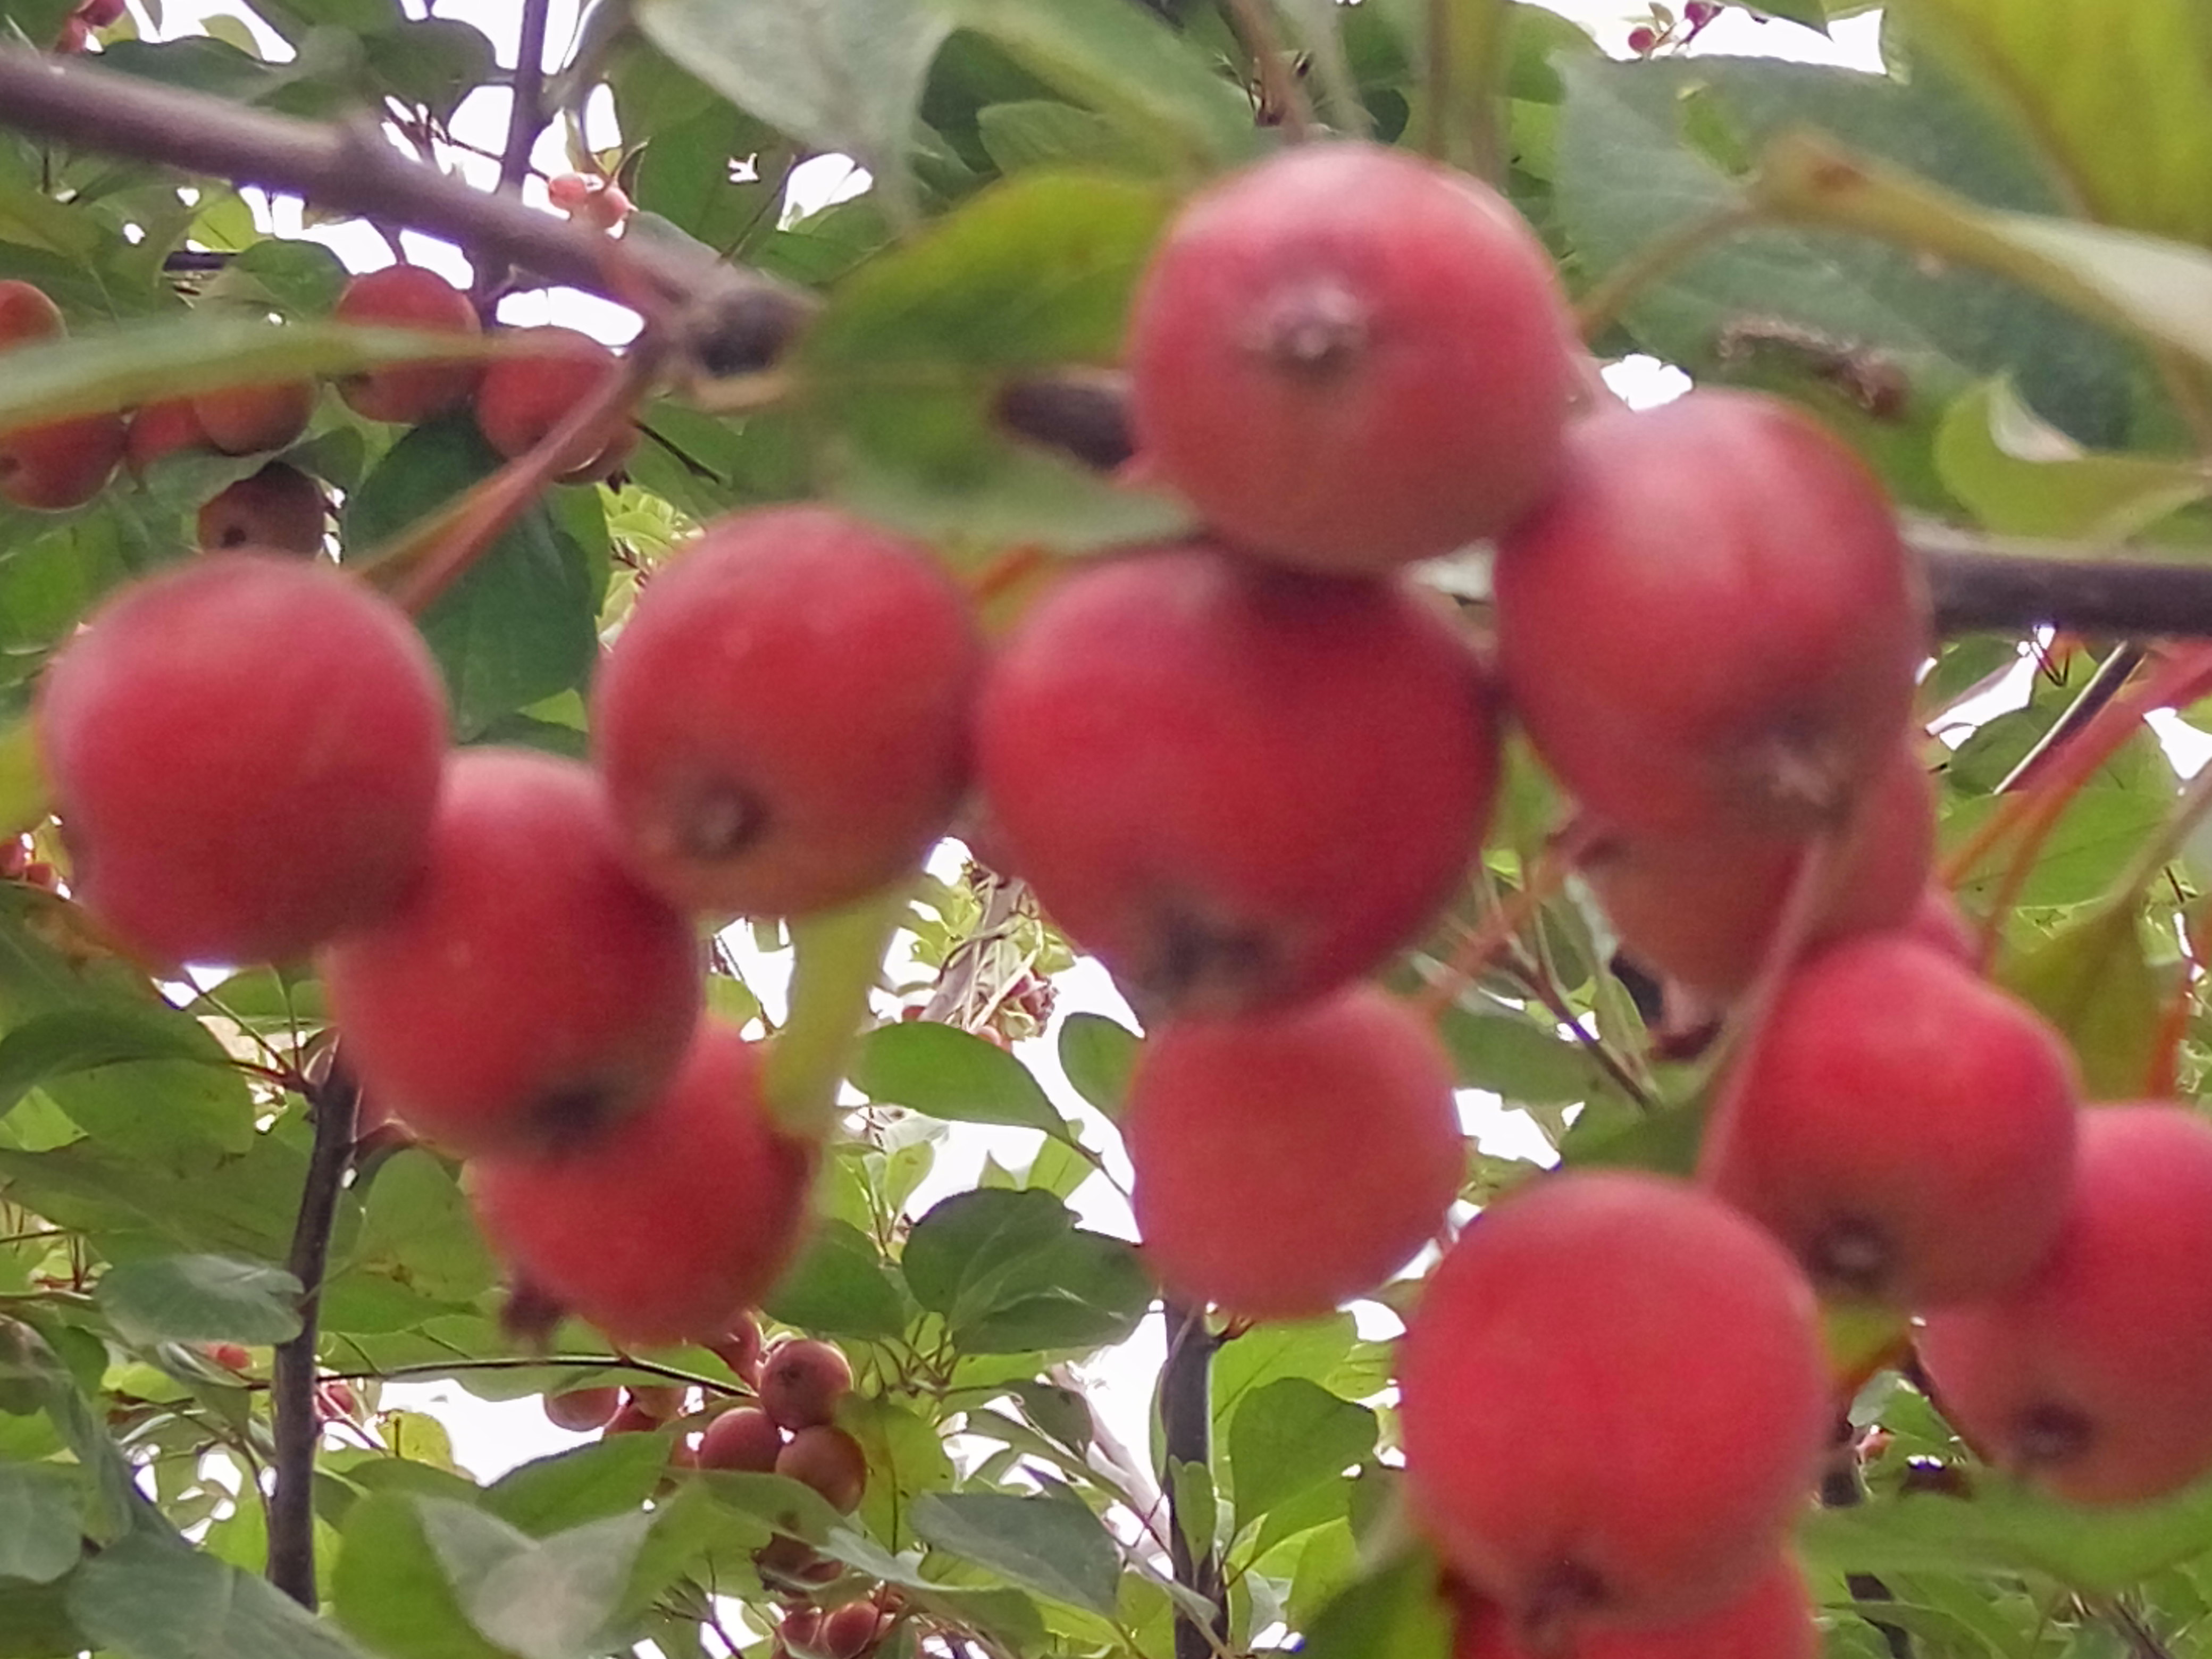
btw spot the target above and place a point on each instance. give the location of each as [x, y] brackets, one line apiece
[1288, 1162]
[1614, 1399]
[226, 794]
[528, 992]
[1347, 357]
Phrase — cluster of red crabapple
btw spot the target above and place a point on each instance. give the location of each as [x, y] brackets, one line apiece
[1246, 769]
[516, 400]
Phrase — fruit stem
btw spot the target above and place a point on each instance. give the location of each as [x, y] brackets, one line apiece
[1282, 94]
[1485, 940]
[836, 957]
[1601, 307]
[334, 1104]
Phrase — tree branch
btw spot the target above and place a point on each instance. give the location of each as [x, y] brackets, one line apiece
[526, 119]
[1187, 1434]
[335, 1105]
[353, 169]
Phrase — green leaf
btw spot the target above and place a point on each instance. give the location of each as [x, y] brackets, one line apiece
[2019, 477]
[550, 1599]
[151, 1597]
[389, 1589]
[200, 1299]
[35, 1622]
[2092, 981]
[1098, 1054]
[906, 1458]
[1052, 1546]
[613, 1476]
[1290, 1435]
[839, 1287]
[942, 1072]
[841, 75]
[902, 372]
[41, 1521]
[1394, 1613]
[518, 625]
[2118, 98]
[1038, 132]
[1011, 1273]
[1515, 1058]
[82, 1039]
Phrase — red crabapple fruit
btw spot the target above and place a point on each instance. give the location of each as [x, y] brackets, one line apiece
[581, 1410]
[1347, 357]
[801, 1382]
[249, 420]
[745, 1439]
[1240, 786]
[408, 297]
[62, 463]
[528, 991]
[740, 1348]
[826, 1458]
[245, 753]
[782, 723]
[1287, 1163]
[667, 1224]
[1614, 1400]
[162, 428]
[1906, 1129]
[279, 507]
[521, 399]
[1774, 1620]
[1703, 909]
[2093, 1377]
[1711, 624]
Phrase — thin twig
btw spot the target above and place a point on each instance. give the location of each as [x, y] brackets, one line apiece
[1186, 1437]
[525, 117]
[2104, 685]
[353, 169]
[335, 1105]
[1281, 93]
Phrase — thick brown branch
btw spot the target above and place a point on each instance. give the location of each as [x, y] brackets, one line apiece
[294, 1427]
[1186, 1437]
[353, 169]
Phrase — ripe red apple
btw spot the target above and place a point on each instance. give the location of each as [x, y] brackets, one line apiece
[1241, 787]
[279, 507]
[741, 1349]
[782, 722]
[1287, 1163]
[663, 1225]
[528, 992]
[802, 1381]
[1774, 1620]
[1347, 357]
[63, 463]
[410, 297]
[251, 420]
[746, 1438]
[245, 753]
[581, 1410]
[159, 429]
[1906, 1129]
[521, 400]
[2093, 1377]
[826, 1458]
[1703, 908]
[1711, 623]
[1614, 1400]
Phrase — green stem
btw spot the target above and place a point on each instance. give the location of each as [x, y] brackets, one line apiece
[836, 959]
[1601, 306]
